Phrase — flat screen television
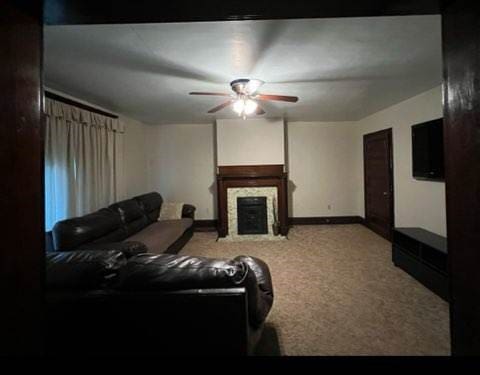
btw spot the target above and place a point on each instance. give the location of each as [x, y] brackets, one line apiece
[427, 150]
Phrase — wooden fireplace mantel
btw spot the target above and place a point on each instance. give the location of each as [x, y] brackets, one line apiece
[252, 176]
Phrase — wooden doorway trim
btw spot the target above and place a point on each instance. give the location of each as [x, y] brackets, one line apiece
[22, 257]
[461, 98]
[461, 109]
[388, 134]
[76, 12]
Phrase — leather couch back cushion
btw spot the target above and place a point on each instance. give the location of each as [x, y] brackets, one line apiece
[99, 227]
[82, 270]
[151, 204]
[131, 214]
[148, 272]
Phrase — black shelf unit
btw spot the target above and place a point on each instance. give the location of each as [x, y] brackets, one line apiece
[424, 256]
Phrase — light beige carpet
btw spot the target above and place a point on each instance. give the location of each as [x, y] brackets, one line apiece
[338, 293]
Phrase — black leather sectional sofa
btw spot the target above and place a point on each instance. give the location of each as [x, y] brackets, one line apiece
[108, 295]
[131, 220]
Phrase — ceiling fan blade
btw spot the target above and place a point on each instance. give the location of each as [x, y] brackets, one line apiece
[252, 86]
[259, 111]
[281, 98]
[221, 106]
[209, 93]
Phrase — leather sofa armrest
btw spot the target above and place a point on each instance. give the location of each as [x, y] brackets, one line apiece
[261, 294]
[188, 211]
[128, 248]
[49, 242]
[261, 271]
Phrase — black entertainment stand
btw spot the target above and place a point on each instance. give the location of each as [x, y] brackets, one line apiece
[423, 255]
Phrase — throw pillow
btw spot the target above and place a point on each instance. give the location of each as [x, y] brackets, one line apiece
[171, 211]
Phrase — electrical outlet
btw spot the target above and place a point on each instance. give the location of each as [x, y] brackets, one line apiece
[329, 207]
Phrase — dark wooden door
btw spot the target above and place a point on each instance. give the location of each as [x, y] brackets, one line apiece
[378, 168]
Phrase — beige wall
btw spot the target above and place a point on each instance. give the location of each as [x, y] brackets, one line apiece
[181, 165]
[320, 159]
[250, 142]
[417, 203]
[135, 158]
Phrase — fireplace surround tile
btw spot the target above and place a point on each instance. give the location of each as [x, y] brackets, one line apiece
[252, 176]
[272, 198]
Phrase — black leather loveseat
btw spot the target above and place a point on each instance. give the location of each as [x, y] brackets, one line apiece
[131, 222]
[99, 302]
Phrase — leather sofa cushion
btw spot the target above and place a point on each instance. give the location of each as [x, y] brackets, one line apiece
[82, 270]
[131, 214]
[128, 248]
[160, 235]
[151, 204]
[98, 227]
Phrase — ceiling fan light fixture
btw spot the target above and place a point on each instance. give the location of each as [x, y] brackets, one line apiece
[250, 107]
[243, 101]
[239, 106]
[245, 107]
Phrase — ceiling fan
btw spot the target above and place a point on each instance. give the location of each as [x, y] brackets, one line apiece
[245, 97]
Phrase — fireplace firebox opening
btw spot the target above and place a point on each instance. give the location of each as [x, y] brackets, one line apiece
[252, 215]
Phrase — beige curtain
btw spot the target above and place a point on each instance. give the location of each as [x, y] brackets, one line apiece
[83, 161]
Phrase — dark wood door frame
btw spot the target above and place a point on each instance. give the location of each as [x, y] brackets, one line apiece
[21, 187]
[70, 12]
[461, 98]
[22, 95]
[391, 178]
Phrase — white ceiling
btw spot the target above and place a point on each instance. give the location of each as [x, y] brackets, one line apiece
[341, 69]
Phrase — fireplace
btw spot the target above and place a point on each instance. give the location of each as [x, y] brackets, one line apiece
[267, 181]
[252, 215]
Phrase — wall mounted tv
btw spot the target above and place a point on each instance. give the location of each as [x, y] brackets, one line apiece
[427, 150]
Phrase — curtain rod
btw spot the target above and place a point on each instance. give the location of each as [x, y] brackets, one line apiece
[59, 98]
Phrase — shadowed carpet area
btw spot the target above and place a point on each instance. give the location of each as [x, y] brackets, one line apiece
[337, 292]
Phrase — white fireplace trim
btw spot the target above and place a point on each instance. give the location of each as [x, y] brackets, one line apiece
[270, 193]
